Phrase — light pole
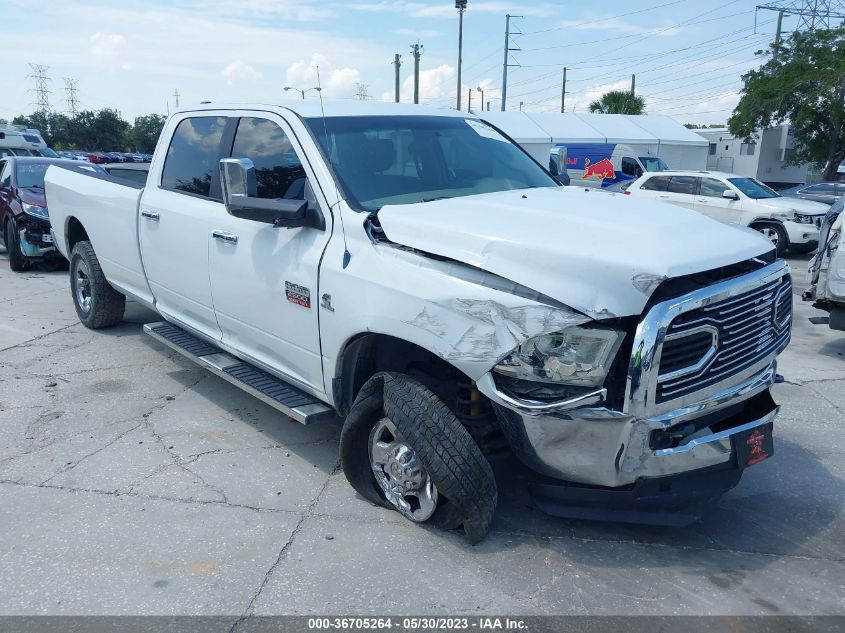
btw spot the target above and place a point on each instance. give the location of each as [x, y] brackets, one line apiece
[302, 92]
[461, 6]
[481, 90]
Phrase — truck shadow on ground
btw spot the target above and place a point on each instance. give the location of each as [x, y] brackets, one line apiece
[778, 509]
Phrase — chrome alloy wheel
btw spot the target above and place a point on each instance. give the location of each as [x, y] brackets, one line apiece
[771, 234]
[399, 473]
[82, 286]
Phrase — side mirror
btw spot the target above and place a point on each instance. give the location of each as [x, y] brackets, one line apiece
[240, 195]
[730, 194]
[557, 164]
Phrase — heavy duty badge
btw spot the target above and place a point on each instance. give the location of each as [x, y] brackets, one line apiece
[300, 295]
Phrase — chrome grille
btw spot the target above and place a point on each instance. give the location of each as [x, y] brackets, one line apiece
[709, 344]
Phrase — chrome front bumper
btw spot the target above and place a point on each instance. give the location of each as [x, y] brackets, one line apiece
[602, 447]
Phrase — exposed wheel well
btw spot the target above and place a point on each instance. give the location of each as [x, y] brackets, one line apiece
[368, 354]
[74, 233]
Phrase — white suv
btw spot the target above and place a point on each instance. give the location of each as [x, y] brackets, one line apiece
[787, 222]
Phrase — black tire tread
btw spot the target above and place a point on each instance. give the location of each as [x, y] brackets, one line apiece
[17, 262]
[455, 463]
[107, 304]
[449, 453]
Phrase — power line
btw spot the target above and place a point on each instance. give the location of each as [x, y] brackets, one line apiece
[812, 14]
[613, 17]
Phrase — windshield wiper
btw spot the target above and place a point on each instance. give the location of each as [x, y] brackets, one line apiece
[34, 187]
[433, 199]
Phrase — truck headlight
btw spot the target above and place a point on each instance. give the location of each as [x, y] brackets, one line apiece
[35, 211]
[800, 218]
[579, 356]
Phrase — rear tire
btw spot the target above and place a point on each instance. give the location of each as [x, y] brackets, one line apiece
[17, 262]
[428, 431]
[97, 304]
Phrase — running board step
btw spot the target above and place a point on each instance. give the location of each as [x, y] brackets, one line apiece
[290, 400]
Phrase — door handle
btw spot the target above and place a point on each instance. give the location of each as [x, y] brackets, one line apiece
[662, 196]
[704, 200]
[151, 215]
[229, 238]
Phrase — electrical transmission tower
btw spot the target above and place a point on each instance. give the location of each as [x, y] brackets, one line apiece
[71, 99]
[42, 92]
[361, 93]
[812, 14]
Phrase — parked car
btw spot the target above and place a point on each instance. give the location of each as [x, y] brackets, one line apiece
[133, 172]
[825, 192]
[24, 221]
[827, 268]
[98, 157]
[415, 272]
[733, 199]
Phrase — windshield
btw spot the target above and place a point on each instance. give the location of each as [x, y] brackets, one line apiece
[31, 175]
[382, 160]
[754, 189]
[652, 163]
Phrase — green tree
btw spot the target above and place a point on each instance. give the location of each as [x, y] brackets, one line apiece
[618, 102]
[145, 132]
[803, 84]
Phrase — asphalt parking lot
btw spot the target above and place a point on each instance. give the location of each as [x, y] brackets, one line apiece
[133, 482]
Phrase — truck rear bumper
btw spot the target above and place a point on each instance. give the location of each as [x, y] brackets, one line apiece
[604, 447]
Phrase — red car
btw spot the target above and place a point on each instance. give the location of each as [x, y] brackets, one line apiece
[24, 221]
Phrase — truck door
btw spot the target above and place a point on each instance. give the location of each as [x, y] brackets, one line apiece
[264, 280]
[181, 199]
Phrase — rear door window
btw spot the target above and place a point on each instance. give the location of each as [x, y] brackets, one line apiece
[683, 184]
[278, 170]
[193, 155]
[657, 183]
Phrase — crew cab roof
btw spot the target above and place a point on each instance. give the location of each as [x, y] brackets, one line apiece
[311, 108]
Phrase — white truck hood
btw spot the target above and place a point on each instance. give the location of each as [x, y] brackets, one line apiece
[794, 205]
[602, 254]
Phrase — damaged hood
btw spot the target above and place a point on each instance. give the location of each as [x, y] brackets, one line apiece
[602, 254]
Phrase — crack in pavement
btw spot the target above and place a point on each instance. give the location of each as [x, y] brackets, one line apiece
[309, 512]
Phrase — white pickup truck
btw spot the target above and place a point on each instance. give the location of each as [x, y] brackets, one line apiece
[419, 275]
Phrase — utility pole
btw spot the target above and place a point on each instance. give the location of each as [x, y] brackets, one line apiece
[72, 101]
[176, 95]
[505, 62]
[520, 106]
[777, 34]
[417, 50]
[396, 63]
[481, 90]
[469, 100]
[42, 92]
[461, 6]
[633, 85]
[563, 92]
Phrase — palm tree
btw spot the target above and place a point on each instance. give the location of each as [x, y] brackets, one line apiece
[618, 102]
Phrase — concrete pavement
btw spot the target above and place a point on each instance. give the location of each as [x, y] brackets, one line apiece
[133, 482]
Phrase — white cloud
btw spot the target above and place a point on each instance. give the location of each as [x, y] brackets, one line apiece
[414, 33]
[435, 83]
[447, 9]
[106, 45]
[335, 82]
[239, 70]
[619, 26]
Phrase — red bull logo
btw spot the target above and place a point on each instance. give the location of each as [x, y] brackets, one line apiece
[602, 170]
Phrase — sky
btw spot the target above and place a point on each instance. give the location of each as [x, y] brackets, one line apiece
[131, 55]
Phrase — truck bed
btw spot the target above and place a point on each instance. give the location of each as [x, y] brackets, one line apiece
[106, 208]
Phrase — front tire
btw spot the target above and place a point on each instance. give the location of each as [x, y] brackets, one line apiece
[401, 447]
[17, 261]
[776, 235]
[97, 304]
